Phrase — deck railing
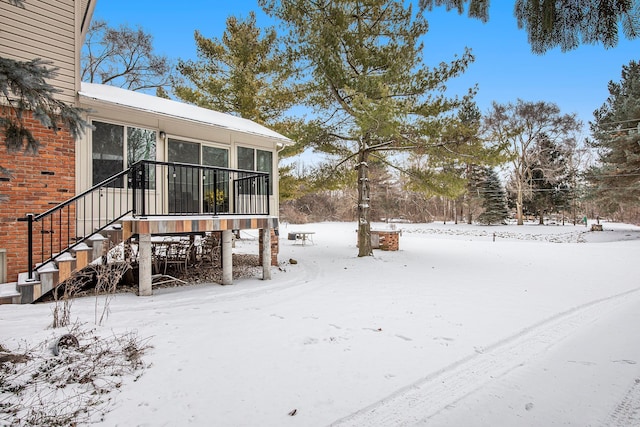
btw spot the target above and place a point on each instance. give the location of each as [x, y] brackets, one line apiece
[147, 188]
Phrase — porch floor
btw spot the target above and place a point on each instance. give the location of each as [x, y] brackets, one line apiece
[182, 224]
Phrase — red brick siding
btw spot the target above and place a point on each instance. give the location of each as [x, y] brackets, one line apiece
[275, 247]
[31, 191]
[389, 240]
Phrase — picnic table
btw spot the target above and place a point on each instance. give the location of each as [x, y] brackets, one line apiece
[301, 237]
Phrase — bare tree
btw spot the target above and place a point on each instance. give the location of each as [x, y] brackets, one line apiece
[123, 57]
[521, 126]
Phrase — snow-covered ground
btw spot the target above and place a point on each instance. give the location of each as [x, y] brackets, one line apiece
[464, 326]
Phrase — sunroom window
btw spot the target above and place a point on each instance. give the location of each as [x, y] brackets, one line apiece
[116, 147]
[256, 160]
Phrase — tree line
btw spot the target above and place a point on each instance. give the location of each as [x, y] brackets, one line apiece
[393, 144]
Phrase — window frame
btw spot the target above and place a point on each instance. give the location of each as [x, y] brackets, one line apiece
[255, 162]
[125, 149]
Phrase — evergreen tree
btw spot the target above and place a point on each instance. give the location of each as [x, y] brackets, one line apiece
[450, 174]
[494, 199]
[24, 87]
[522, 125]
[567, 24]
[549, 177]
[473, 197]
[478, 151]
[244, 73]
[367, 84]
[615, 180]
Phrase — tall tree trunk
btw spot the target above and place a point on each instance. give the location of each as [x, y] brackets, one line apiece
[519, 203]
[467, 195]
[364, 200]
[519, 193]
[444, 210]
[455, 211]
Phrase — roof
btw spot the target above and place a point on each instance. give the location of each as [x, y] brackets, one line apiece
[168, 107]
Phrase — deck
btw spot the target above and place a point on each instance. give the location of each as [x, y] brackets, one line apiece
[145, 227]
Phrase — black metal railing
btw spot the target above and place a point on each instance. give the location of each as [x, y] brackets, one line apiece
[164, 188]
[147, 188]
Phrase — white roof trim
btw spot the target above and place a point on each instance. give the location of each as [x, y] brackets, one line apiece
[171, 108]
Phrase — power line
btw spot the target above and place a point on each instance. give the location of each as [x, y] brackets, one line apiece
[618, 121]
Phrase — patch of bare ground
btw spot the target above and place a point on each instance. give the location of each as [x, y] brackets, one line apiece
[244, 265]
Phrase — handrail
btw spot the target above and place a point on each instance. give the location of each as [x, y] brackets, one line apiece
[67, 237]
[147, 188]
[84, 193]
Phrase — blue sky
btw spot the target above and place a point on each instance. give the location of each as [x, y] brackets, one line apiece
[504, 70]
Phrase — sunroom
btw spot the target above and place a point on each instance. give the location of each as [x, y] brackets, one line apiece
[153, 166]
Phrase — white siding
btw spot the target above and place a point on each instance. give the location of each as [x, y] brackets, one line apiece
[174, 127]
[43, 29]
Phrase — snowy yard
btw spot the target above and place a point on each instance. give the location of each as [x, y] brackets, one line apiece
[536, 328]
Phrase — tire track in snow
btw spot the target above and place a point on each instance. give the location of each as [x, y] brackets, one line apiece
[416, 403]
[627, 413]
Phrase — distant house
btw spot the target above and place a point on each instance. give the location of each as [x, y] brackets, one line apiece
[147, 165]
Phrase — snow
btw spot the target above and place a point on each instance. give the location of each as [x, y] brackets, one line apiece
[464, 325]
[168, 107]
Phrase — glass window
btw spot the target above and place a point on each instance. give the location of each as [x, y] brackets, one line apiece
[256, 160]
[245, 159]
[184, 152]
[214, 156]
[184, 182]
[108, 145]
[264, 163]
[141, 145]
[108, 151]
[215, 182]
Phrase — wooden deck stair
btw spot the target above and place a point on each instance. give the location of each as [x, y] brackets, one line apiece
[49, 276]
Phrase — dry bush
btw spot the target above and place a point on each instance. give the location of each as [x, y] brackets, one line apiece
[63, 296]
[291, 214]
[104, 276]
[107, 277]
[39, 388]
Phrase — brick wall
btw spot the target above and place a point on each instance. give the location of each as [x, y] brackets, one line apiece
[37, 183]
[274, 248]
[389, 240]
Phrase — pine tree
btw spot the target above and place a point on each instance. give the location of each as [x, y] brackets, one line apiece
[494, 199]
[450, 173]
[244, 73]
[366, 82]
[24, 87]
[566, 24]
[549, 177]
[616, 136]
[521, 126]
[475, 179]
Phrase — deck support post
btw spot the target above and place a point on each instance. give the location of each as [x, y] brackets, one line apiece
[265, 252]
[227, 259]
[144, 265]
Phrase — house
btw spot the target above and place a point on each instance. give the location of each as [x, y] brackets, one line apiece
[147, 166]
